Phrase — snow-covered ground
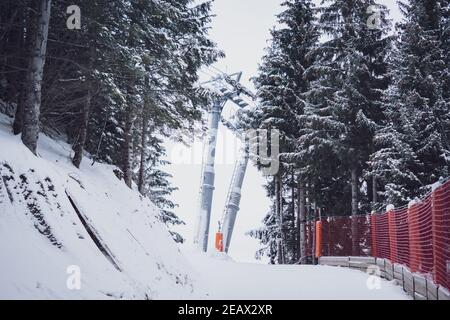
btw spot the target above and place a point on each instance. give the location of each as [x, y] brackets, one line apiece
[228, 280]
[58, 223]
[43, 242]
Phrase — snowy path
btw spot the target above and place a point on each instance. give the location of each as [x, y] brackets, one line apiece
[229, 280]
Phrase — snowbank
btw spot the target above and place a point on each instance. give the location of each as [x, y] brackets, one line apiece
[56, 220]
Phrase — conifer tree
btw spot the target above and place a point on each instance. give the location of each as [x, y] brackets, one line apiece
[281, 83]
[413, 148]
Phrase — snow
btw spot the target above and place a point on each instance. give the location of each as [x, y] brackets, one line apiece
[228, 280]
[43, 240]
[34, 268]
[436, 185]
[412, 203]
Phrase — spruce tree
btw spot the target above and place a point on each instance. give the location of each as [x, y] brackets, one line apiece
[413, 146]
[344, 102]
[281, 84]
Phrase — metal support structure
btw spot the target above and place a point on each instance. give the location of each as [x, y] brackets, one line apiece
[229, 89]
[208, 177]
[234, 198]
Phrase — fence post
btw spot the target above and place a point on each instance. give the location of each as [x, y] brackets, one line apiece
[373, 231]
[392, 233]
[313, 241]
[219, 241]
[415, 254]
[318, 252]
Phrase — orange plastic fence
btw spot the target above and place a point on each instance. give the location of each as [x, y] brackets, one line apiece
[417, 237]
[415, 252]
[441, 235]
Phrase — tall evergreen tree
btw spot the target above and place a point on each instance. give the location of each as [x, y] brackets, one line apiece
[326, 100]
[34, 75]
[344, 103]
[281, 84]
[413, 146]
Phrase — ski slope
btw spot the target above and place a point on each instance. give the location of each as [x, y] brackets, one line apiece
[228, 280]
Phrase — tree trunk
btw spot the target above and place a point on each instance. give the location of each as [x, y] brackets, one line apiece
[374, 192]
[354, 183]
[301, 216]
[27, 43]
[313, 219]
[278, 214]
[82, 135]
[282, 227]
[141, 179]
[128, 148]
[81, 141]
[18, 118]
[294, 236]
[32, 107]
[21, 50]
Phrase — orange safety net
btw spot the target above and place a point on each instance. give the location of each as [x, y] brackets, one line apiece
[337, 236]
[441, 235]
[417, 236]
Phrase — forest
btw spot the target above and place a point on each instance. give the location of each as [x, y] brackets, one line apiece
[362, 105]
[112, 78]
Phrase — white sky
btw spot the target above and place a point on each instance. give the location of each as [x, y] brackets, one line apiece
[241, 29]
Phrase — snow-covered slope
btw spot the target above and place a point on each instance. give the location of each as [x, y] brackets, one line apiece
[55, 219]
[229, 280]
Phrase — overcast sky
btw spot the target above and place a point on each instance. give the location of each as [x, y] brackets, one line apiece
[240, 28]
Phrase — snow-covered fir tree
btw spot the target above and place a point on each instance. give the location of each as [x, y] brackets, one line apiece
[344, 102]
[413, 146]
[281, 84]
[326, 100]
[155, 183]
